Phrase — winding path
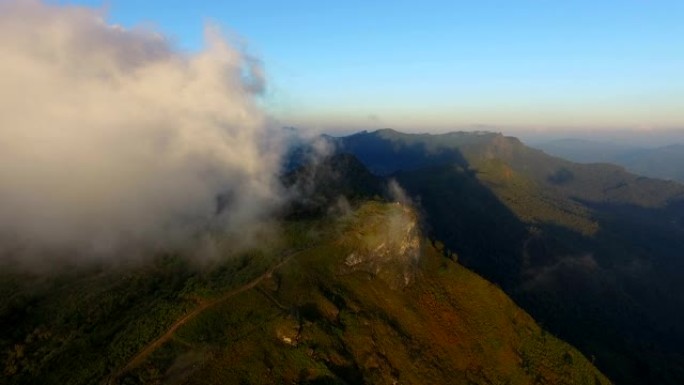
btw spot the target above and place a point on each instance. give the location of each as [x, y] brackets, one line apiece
[154, 345]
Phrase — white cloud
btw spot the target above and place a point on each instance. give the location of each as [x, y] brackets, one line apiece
[111, 139]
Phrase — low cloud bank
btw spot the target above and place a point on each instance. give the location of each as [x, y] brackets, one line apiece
[112, 141]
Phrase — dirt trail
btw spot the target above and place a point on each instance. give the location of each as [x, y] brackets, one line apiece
[154, 345]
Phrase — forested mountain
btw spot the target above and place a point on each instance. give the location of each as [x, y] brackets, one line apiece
[593, 252]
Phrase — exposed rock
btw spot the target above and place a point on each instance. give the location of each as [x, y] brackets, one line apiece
[288, 331]
[386, 244]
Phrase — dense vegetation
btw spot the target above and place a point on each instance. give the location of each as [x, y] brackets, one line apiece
[74, 328]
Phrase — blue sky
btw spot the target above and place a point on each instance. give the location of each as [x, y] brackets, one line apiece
[437, 65]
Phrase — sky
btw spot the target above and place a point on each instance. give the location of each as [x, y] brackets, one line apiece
[442, 65]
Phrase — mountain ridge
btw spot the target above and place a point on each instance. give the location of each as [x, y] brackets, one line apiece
[581, 247]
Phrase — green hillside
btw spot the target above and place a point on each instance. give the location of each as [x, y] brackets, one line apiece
[358, 299]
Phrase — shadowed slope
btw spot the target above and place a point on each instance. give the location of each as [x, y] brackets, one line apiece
[591, 251]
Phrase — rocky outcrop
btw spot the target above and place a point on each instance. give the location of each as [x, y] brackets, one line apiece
[386, 244]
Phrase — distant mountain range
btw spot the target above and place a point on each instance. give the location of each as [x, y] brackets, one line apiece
[665, 162]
